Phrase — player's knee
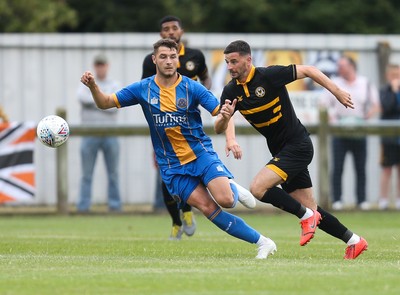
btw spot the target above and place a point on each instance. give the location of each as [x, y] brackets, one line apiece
[226, 202]
[256, 191]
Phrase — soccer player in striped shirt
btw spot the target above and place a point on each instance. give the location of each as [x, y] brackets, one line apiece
[188, 164]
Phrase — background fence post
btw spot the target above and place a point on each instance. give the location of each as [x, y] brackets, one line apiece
[323, 169]
[62, 171]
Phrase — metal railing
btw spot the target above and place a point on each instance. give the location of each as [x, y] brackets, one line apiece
[322, 130]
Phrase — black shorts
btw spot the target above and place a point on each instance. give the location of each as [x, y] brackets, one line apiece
[390, 154]
[291, 163]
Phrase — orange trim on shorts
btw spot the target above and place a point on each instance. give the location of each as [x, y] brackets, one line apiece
[278, 171]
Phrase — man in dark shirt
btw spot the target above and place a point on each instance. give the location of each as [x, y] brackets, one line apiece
[390, 154]
[260, 95]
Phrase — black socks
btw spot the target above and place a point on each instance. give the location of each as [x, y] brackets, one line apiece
[331, 225]
[282, 200]
[172, 206]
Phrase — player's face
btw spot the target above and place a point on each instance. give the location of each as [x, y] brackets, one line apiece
[238, 65]
[166, 61]
[171, 30]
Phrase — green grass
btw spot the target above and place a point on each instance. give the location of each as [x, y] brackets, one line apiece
[132, 255]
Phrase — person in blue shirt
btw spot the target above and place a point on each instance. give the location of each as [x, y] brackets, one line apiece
[188, 164]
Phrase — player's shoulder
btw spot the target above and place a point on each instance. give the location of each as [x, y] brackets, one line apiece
[148, 60]
[143, 83]
[193, 51]
[231, 84]
[148, 56]
[190, 82]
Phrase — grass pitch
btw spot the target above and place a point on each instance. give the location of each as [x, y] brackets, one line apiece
[132, 255]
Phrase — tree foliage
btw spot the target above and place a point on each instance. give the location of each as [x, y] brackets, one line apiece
[241, 16]
[35, 16]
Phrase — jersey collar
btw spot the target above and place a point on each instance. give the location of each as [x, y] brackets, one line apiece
[172, 86]
[182, 49]
[249, 77]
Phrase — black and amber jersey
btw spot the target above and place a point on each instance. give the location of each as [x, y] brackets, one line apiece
[264, 102]
[192, 64]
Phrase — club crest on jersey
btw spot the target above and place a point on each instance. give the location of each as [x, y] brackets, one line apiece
[190, 66]
[154, 100]
[182, 103]
[260, 92]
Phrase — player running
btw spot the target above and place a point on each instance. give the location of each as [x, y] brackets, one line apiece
[260, 95]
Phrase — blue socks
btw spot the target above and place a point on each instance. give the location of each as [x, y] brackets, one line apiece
[235, 194]
[233, 225]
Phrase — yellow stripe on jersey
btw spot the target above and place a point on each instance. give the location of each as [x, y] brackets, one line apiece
[278, 171]
[180, 145]
[261, 108]
[167, 100]
[181, 53]
[273, 120]
[168, 96]
[215, 111]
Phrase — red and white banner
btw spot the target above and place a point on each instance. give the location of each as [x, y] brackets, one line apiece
[17, 171]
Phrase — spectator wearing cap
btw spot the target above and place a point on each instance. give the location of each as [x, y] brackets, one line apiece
[91, 145]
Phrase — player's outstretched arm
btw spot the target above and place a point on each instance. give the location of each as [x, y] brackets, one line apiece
[312, 72]
[102, 100]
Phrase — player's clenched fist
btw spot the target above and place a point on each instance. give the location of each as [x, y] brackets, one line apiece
[87, 78]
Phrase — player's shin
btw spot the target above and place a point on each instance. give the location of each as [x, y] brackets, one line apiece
[282, 200]
[234, 226]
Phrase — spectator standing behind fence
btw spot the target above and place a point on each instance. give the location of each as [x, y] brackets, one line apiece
[366, 103]
[91, 145]
[390, 146]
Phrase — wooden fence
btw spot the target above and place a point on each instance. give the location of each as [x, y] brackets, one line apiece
[322, 130]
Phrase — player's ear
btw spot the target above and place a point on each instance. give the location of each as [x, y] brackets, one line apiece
[153, 57]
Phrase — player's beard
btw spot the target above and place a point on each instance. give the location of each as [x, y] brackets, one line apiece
[165, 74]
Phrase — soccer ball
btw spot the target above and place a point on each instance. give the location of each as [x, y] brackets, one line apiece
[52, 131]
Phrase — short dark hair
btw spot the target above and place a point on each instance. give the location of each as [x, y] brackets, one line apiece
[170, 18]
[169, 43]
[239, 46]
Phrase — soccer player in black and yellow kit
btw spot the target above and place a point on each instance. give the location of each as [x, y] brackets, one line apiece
[191, 64]
[260, 95]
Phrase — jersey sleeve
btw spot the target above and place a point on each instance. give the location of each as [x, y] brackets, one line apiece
[279, 76]
[148, 67]
[226, 95]
[206, 99]
[128, 96]
[202, 65]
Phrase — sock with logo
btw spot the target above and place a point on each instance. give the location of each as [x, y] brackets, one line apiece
[233, 225]
[172, 206]
[282, 200]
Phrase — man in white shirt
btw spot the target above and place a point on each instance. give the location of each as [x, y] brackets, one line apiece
[91, 145]
[366, 101]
